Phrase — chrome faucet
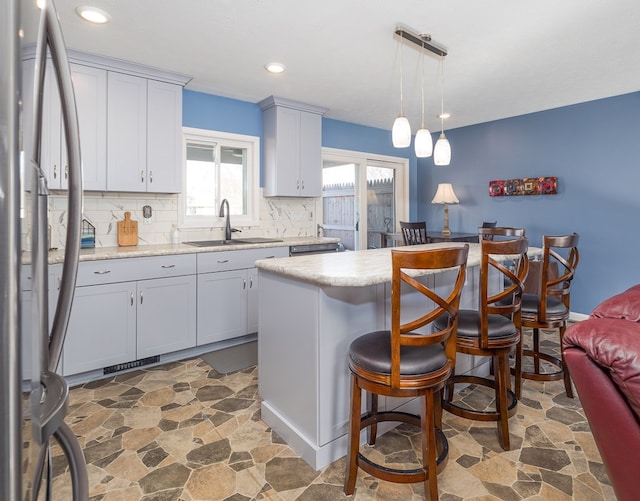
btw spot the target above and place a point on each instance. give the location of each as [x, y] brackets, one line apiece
[227, 228]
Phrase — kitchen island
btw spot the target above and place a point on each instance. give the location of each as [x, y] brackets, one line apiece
[310, 309]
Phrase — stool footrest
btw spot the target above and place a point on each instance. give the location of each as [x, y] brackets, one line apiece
[477, 415]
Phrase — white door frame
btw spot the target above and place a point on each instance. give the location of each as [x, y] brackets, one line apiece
[362, 159]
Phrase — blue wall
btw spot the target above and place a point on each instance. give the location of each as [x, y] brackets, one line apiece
[592, 148]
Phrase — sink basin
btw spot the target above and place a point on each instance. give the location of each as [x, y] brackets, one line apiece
[235, 241]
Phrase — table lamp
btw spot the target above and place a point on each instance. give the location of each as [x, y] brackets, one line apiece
[445, 195]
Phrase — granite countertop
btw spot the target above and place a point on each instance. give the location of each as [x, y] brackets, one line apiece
[356, 268]
[98, 253]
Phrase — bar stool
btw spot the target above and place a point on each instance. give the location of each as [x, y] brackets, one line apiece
[494, 330]
[550, 307]
[402, 362]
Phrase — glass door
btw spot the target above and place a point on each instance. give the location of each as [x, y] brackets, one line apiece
[363, 197]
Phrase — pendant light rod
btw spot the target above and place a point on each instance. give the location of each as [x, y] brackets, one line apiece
[422, 41]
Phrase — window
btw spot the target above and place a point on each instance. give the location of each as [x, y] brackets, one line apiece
[219, 165]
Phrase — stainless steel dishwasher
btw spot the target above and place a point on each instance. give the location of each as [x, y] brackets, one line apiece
[319, 248]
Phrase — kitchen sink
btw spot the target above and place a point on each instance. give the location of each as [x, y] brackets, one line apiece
[235, 241]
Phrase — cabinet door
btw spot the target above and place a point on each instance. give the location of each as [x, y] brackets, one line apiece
[126, 133]
[52, 156]
[90, 87]
[166, 315]
[222, 306]
[310, 154]
[164, 124]
[252, 300]
[102, 328]
[288, 148]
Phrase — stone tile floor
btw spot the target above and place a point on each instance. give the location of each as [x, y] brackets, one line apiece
[182, 431]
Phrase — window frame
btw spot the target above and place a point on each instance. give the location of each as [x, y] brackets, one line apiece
[220, 139]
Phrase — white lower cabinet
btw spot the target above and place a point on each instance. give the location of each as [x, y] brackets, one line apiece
[228, 293]
[128, 309]
[166, 315]
[222, 306]
[102, 328]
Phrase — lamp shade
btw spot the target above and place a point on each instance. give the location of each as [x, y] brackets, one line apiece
[423, 143]
[401, 132]
[445, 195]
[442, 151]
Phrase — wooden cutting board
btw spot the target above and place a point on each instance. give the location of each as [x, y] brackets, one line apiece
[127, 231]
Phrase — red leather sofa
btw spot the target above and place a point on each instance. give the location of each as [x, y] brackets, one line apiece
[603, 356]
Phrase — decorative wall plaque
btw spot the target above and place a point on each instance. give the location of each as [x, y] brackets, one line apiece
[524, 186]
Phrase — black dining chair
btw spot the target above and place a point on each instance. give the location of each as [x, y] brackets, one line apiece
[414, 233]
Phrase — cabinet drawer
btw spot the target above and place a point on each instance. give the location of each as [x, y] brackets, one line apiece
[236, 260]
[142, 268]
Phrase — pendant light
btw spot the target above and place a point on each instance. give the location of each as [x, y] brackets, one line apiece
[424, 142]
[442, 150]
[401, 130]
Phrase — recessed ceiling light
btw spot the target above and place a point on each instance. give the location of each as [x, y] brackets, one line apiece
[444, 115]
[93, 14]
[275, 67]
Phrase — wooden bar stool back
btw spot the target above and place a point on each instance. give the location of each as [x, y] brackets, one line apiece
[550, 307]
[414, 233]
[494, 330]
[403, 363]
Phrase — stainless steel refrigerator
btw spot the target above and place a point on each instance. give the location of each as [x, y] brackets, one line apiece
[33, 406]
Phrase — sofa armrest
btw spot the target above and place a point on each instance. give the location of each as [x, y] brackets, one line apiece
[615, 428]
[614, 345]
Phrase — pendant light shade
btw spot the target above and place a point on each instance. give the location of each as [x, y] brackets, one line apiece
[423, 143]
[442, 151]
[401, 132]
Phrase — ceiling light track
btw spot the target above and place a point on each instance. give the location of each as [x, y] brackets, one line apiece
[422, 41]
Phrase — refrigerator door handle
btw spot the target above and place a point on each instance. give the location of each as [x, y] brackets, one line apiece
[74, 221]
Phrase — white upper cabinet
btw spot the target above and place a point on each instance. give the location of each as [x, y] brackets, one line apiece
[292, 154]
[127, 133]
[90, 89]
[130, 120]
[164, 137]
[145, 118]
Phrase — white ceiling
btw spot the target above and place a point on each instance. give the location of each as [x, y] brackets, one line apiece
[506, 57]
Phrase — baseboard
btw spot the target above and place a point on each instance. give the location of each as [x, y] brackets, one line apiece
[577, 317]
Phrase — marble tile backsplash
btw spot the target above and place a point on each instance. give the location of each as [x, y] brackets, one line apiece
[279, 218]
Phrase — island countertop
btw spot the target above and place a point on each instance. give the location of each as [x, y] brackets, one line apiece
[356, 268]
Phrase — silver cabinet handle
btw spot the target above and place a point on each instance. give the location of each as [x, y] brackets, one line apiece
[223, 261]
[66, 172]
[251, 283]
[141, 297]
[142, 176]
[303, 184]
[103, 272]
[132, 299]
[55, 172]
[298, 184]
[268, 257]
[151, 176]
[244, 284]
[168, 266]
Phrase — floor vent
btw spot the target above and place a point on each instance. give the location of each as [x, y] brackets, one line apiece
[131, 365]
